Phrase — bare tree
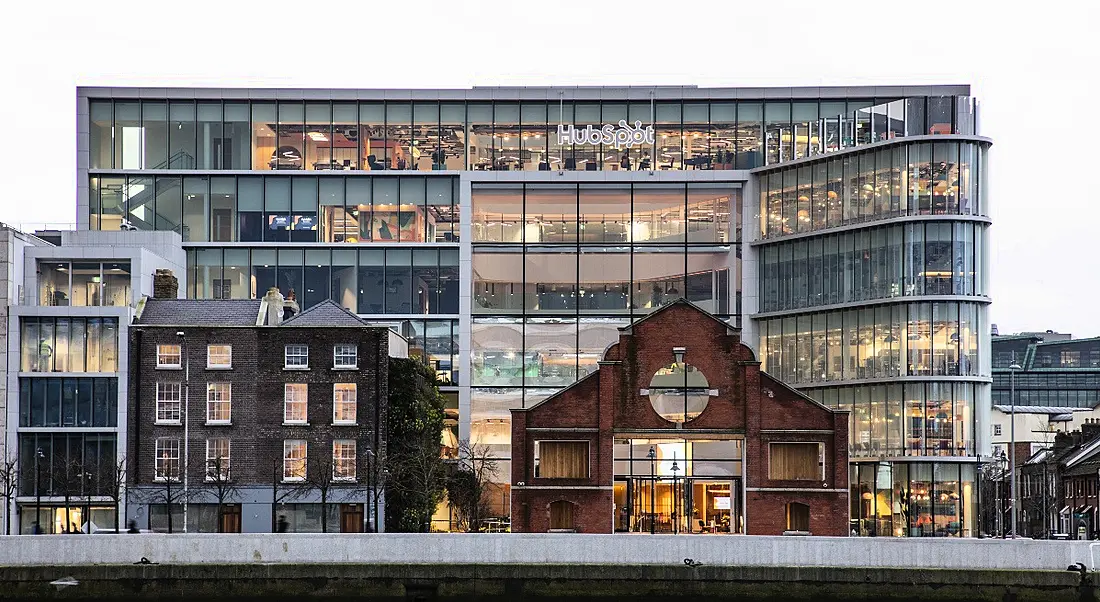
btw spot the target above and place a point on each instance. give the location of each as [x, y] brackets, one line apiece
[416, 473]
[220, 484]
[279, 494]
[111, 481]
[169, 476]
[9, 486]
[70, 480]
[321, 477]
[468, 485]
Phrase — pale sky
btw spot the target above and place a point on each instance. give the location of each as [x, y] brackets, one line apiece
[1033, 66]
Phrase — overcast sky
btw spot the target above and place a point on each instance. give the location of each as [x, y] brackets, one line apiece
[1033, 66]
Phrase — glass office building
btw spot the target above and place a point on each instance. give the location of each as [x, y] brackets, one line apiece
[510, 232]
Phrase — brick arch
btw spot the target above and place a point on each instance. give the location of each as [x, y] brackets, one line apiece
[561, 514]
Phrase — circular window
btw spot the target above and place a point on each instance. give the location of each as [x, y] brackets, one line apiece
[679, 392]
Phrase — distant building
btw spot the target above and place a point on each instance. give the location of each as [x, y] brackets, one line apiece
[1054, 370]
[260, 409]
[679, 431]
[1059, 487]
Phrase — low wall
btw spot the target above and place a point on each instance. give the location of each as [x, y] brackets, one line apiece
[543, 548]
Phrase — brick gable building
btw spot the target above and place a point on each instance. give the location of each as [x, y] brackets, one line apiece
[679, 431]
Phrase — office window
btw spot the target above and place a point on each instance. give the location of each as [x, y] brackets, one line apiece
[168, 356]
[561, 459]
[795, 461]
[343, 403]
[345, 356]
[217, 459]
[343, 459]
[219, 356]
[219, 400]
[294, 460]
[296, 356]
[167, 459]
[294, 403]
[168, 403]
[1070, 359]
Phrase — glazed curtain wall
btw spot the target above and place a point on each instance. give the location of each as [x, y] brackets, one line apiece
[926, 178]
[68, 344]
[1057, 388]
[396, 135]
[906, 419]
[911, 499]
[883, 341]
[67, 464]
[367, 281]
[303, 208]
[923, 258]
[68, 402]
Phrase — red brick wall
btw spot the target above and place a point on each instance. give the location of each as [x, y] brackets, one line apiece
[748, 402]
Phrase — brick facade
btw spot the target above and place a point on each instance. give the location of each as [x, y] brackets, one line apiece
[744, 402]
[257, 378]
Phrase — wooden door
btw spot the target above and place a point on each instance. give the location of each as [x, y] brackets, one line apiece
[231, 518]
[351, 518]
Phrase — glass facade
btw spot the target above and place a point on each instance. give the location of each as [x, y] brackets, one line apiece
[67, 464]
[502, 136]
[303, 208]
[906, 499]
[84, 283]
[68, 402]
[901, 260]
[926, 178]
[68, 344]
[1058, 373]
[879, 341]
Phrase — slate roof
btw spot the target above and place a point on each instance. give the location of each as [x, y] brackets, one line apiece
[326, 314]
[199, 312]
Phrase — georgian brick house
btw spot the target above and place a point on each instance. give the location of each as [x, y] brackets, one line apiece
[679, 431]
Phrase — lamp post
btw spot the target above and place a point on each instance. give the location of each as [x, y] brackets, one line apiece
[186, 426]
[675, 496]
[1002, 466]
[38, 455]
[652, 455]
[1012, 445]
[370, 488]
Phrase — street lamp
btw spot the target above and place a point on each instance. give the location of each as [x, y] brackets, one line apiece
[675, 496]
[1012, 439]
[370, 487]
[38, 492]
[186, 425]
[652, 455]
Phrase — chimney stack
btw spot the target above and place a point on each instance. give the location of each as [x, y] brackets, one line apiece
[273, 307]
[290, 305]
[165, 284]
[1090, 429]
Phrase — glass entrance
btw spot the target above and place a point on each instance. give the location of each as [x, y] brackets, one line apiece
[683, 505]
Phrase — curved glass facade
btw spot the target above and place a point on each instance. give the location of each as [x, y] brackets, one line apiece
[910, 499]
[923, 178]
[901, 260]
[881, 341]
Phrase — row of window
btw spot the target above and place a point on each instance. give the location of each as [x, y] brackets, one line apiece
[1047, 380]
[594, 213]
[914, 499]
[220, 356]
[906, 419]
[350, 209]
[68, 402]
[219, 403]
[1089, 358]
[68, 344]
[69, 464]
[84, 283]
[1059, 398]
[425, 135]
[942, 178]
[914, 339]
[219, 454]
[369, 281]
[928, 258]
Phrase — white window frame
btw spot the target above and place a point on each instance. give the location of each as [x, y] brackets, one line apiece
[164, 354]
[166, 449]
[165, 403]
[287, 403]
[341, 350]
[337, 461]
[287, 355]
[210, 457]
[212, 404]
[228, 354]
[341, 401]
[288, 446]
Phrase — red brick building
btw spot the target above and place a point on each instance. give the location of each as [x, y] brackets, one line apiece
[679, 431]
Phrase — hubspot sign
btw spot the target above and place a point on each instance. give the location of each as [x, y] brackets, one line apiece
[624, 136]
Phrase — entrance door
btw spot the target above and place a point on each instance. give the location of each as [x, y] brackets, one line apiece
[231, 518]
[351, 518]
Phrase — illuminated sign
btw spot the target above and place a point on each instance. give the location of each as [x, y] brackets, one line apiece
[624, 136]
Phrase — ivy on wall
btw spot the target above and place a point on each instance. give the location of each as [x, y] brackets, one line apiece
[416, 475]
